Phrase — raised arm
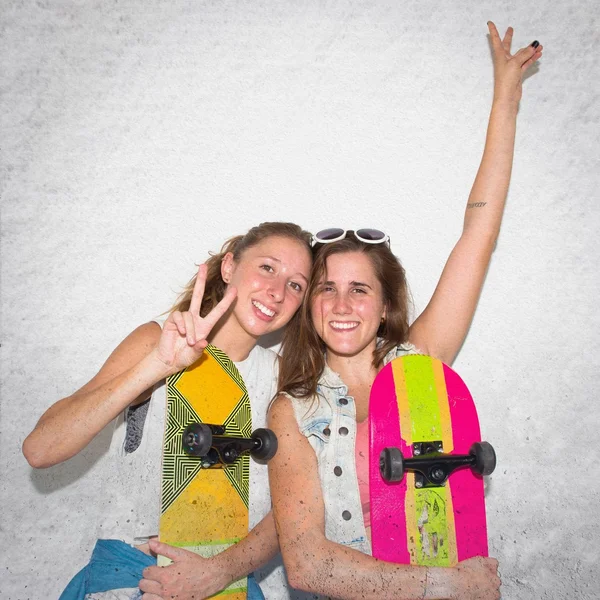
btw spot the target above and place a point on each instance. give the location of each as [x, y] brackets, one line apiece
[145, 357]
[317, 565]
[441, 328]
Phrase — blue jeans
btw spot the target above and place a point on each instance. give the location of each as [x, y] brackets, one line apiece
[115, 565]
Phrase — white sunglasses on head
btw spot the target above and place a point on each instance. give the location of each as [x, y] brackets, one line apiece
[335, 234]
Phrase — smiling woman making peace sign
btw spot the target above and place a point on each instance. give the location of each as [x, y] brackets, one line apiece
[252, 288]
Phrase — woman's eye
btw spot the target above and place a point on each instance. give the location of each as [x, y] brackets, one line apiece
[267, 268]
[295, 286]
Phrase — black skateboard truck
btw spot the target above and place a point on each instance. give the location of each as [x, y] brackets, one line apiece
[217, 448]
[431, 466]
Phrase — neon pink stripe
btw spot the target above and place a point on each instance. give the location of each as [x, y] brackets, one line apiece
[466, 487]
[388, 527]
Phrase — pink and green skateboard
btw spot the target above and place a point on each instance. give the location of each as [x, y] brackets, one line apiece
[427, 463]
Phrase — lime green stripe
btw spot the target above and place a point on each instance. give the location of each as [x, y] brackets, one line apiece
[224, 543]
[229, 591]
[434, 546]
[236, 586]
[422, 399]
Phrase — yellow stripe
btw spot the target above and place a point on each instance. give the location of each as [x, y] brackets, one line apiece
[402, 399]
[448, 443]
[452, 549]
[406, 432]
[444, 408]
[410, 510]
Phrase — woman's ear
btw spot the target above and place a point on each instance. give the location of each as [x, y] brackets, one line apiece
[227, 267]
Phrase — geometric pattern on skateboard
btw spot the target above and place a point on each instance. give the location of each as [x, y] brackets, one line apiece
[179, 468]
[205, 510]
[418, 399]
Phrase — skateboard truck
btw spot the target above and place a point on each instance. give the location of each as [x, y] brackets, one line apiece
[217, 448]
[431, 466]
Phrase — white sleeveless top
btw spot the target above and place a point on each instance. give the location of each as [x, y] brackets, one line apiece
[132, 507]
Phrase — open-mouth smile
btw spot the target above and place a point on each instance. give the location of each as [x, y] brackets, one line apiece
[343, 325]
[263, 311]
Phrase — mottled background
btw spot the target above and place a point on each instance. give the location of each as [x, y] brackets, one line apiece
[137, 135]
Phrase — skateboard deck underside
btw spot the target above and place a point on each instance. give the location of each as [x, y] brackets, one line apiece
[205, 510]
[419, 399]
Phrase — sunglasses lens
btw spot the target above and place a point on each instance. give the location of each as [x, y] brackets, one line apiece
[329, 234]
[373, 235]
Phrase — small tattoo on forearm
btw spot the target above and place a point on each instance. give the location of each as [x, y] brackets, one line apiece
[476, 204]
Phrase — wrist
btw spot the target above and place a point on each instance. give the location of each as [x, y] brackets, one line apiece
[439, 583]
[225, 568]
[156, 367]
[505, 103]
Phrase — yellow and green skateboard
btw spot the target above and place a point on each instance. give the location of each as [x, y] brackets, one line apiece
[206, 470]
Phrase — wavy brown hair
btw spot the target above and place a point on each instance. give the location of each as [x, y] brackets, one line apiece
[303, 351]
[215, 287]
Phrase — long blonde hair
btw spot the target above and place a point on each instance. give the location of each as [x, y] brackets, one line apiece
[215, 287]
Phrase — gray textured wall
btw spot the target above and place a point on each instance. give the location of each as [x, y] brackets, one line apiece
[138, 135]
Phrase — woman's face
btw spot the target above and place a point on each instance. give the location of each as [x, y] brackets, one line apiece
[271, 279]
[348, 306]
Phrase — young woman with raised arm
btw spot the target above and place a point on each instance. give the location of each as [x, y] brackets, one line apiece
[353, 322]
[253, 287]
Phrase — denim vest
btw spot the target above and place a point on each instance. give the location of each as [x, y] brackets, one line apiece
[329, 422]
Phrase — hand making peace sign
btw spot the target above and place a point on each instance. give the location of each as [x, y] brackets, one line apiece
[510, 68]
[184, 335]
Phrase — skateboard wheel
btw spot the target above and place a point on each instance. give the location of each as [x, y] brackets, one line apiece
[197, 439]
[485, 458]
[391, 464]
[267, 444]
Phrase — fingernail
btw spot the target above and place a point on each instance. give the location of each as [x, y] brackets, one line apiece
[535, 44]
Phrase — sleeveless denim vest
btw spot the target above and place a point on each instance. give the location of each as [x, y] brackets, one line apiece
[329, 423]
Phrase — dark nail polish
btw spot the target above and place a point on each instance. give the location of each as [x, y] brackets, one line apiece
[535, 44]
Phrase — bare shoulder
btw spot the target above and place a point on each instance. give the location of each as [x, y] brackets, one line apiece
[281, 410]
[144, 337]
[138, 344]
